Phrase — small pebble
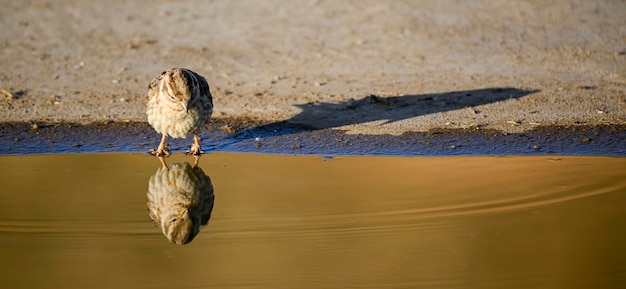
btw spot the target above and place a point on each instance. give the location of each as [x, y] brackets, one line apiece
[351, 103]
[229, 129]
[586, 140]
[8, 94]
[536, 147]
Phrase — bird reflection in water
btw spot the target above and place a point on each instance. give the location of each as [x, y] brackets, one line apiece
[180, 200]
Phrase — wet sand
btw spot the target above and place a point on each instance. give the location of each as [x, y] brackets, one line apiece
[238, 135]
[289, 221]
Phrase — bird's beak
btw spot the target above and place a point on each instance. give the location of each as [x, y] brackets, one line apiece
[185, 106]
[182, 212]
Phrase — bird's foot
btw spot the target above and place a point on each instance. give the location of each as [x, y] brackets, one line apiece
[195, 150]
[161, 152]
[196, 160]
[163, 163]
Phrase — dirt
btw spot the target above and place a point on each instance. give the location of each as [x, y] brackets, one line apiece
[357, 67]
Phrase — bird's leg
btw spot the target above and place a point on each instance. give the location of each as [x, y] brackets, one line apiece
[162, 150]
[162, 159]
[195, 147]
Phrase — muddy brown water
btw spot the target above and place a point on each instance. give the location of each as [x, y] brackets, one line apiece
[277, 221]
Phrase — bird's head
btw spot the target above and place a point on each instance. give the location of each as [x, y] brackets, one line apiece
[180, 229]
[178, 87]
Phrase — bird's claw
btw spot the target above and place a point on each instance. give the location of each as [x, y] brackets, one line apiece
[160, 152]
[194, 151]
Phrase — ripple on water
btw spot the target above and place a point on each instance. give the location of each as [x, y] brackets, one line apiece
[306, 221]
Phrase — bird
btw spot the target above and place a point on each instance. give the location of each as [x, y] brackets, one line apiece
[178, 103]
[180, 200]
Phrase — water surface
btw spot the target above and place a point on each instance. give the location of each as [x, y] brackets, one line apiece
[81, 221]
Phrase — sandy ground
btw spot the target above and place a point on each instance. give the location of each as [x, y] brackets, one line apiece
[370, 67]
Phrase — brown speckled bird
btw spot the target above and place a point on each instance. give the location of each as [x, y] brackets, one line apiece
[180, 201]
[179, 103]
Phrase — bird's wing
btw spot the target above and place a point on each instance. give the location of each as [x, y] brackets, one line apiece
[153, 88]
[204, 86]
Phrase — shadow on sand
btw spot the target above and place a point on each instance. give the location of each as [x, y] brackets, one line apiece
[323, 115]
